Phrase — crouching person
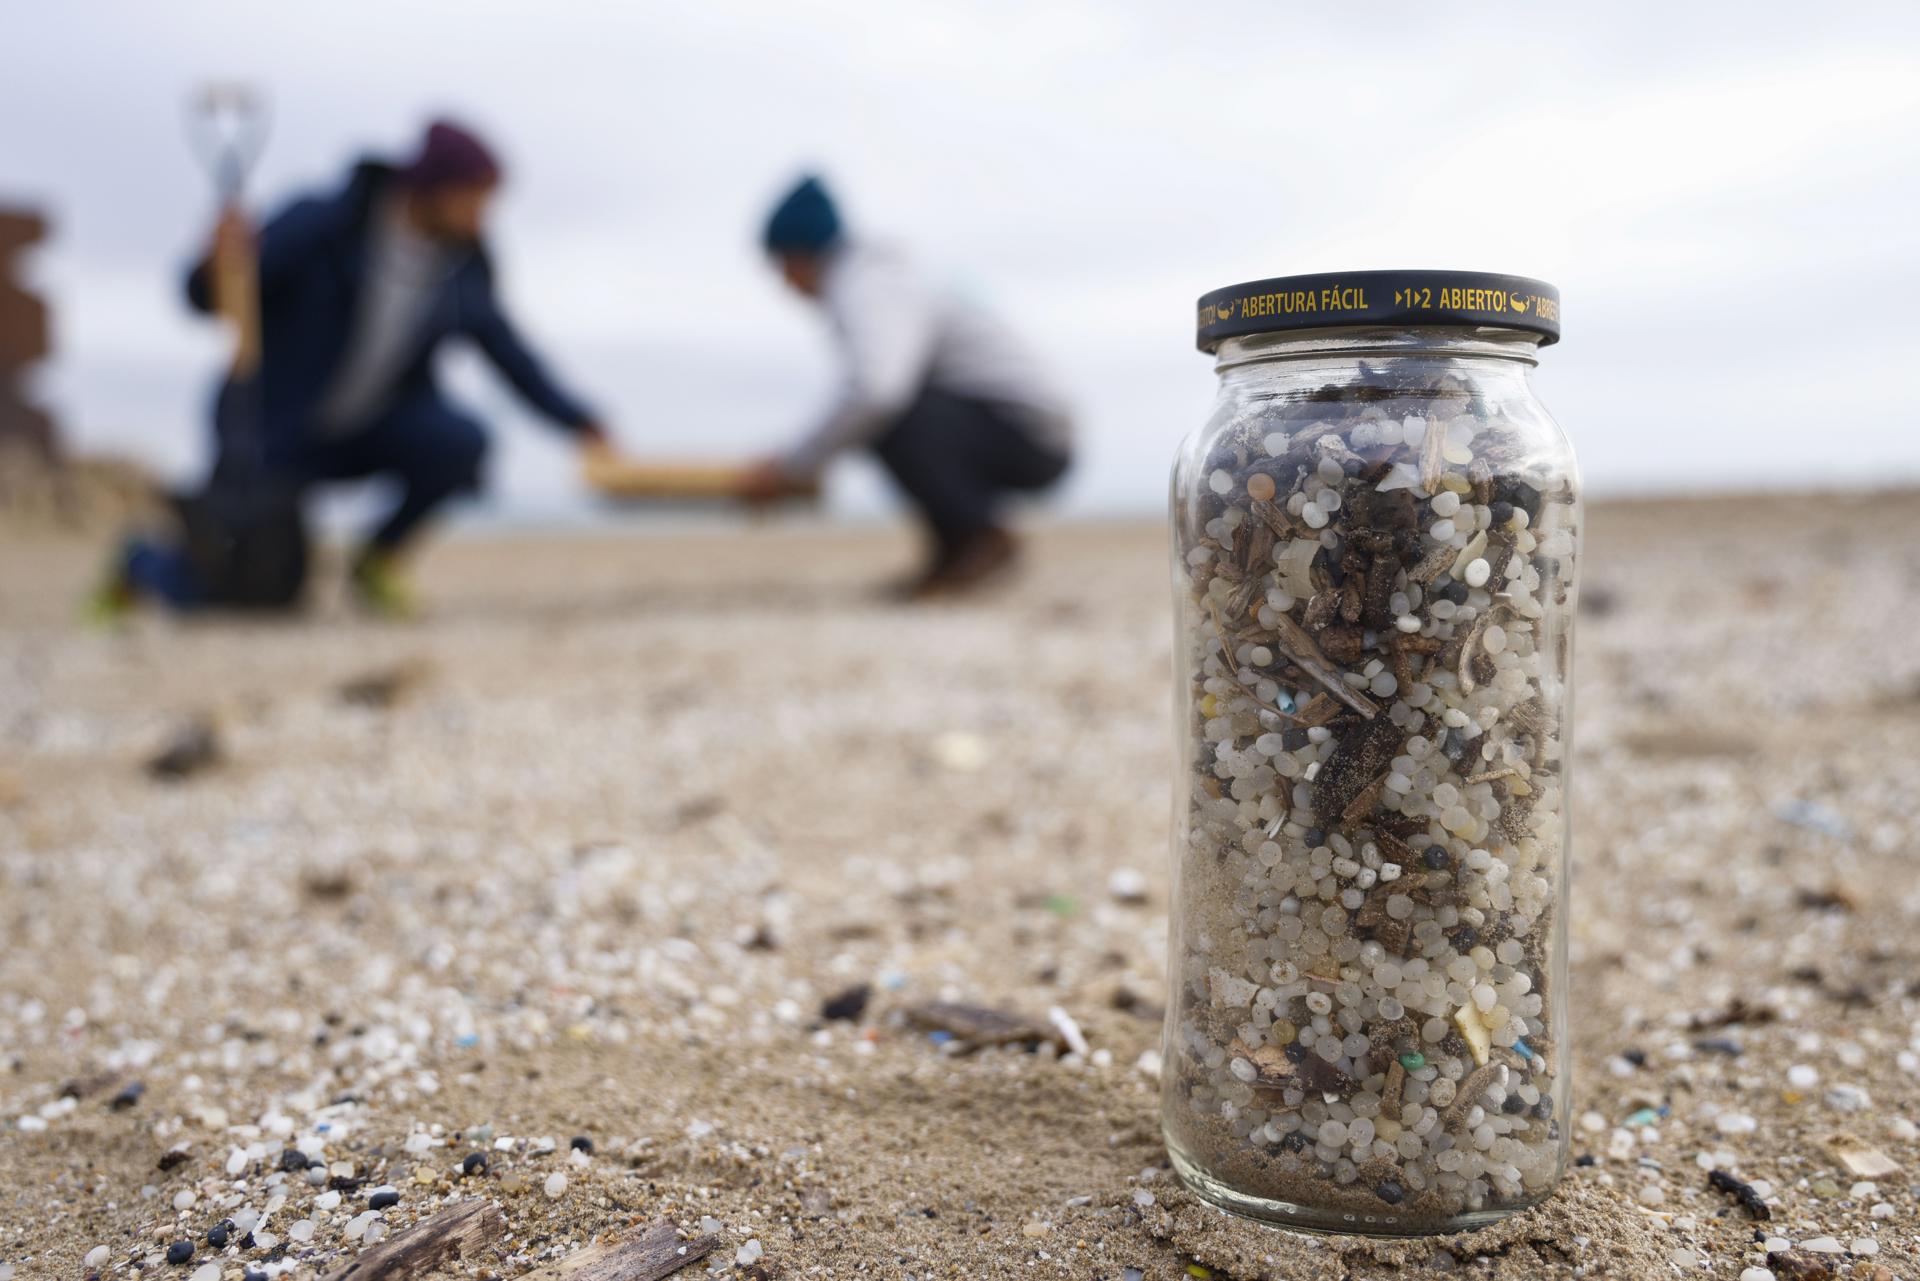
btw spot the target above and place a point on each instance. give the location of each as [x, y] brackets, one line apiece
[953, 405]
[359, 288]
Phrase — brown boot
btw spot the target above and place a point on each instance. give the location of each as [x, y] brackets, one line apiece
[983, 558]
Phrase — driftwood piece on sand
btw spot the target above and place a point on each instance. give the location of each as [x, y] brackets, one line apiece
[457, 1233]
[975, 1027]
[649, 1254]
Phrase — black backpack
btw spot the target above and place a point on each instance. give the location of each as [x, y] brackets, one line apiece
[245, 531]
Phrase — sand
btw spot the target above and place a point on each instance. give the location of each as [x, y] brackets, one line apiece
[638, 804]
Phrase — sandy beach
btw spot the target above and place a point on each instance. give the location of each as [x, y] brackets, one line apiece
[581, 855]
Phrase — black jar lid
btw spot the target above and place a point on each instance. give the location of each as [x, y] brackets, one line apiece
[1392, 298]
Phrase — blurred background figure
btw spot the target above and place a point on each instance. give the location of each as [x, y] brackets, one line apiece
[358, 289]
[947, 398]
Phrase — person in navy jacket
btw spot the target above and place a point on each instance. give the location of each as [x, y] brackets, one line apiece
[359, 289]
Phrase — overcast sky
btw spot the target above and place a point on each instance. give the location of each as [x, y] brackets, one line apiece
[1727, 196]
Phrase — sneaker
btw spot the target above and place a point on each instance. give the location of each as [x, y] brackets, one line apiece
[380, 587]
[109, 605]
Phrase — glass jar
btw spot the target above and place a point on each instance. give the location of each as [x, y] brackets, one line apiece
[1375, 540]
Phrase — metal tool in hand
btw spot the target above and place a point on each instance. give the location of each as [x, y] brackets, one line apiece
[227, 125]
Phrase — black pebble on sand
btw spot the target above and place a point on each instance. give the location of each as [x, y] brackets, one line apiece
[580, 1143]
[294, 1159]
[217, 1235]
[476, 1163]
[381, 1200]
[179, 1252]
[849, 1005]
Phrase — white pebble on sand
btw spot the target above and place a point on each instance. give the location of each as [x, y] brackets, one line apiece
[1127, 886]
[1848, 1098]
[556, 1185]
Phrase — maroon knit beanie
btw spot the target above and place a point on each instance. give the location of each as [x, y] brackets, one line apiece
[451, 156]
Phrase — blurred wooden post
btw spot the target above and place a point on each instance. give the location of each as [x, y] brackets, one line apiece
[23, 337]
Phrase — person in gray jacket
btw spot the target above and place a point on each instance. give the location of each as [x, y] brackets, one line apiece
[945, 396]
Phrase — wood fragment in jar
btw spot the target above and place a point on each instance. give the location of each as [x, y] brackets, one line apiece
[1363, 802]
[1256, 548]
[1480, 480]
[1468, 1096]
[1335, 448]
[1344, 643]
[1470, 648]
[1241, 604]
[1392, 1093]
[1232, 668]
[1433, 459]
[1318, 710]
[1377, 596]
[1431, 566]
[1359, 757]
[1300, 448]
[1531, 716]
[1514, 815]
[1300, 647]
[1275, 518]
[1384, 1040]
[1500, 550]
[1351, 602]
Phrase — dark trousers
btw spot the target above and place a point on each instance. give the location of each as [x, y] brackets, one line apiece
[433, 449]
[956, 459]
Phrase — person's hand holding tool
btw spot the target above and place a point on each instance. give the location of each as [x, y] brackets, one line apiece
[232, 238]
[766, 482]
